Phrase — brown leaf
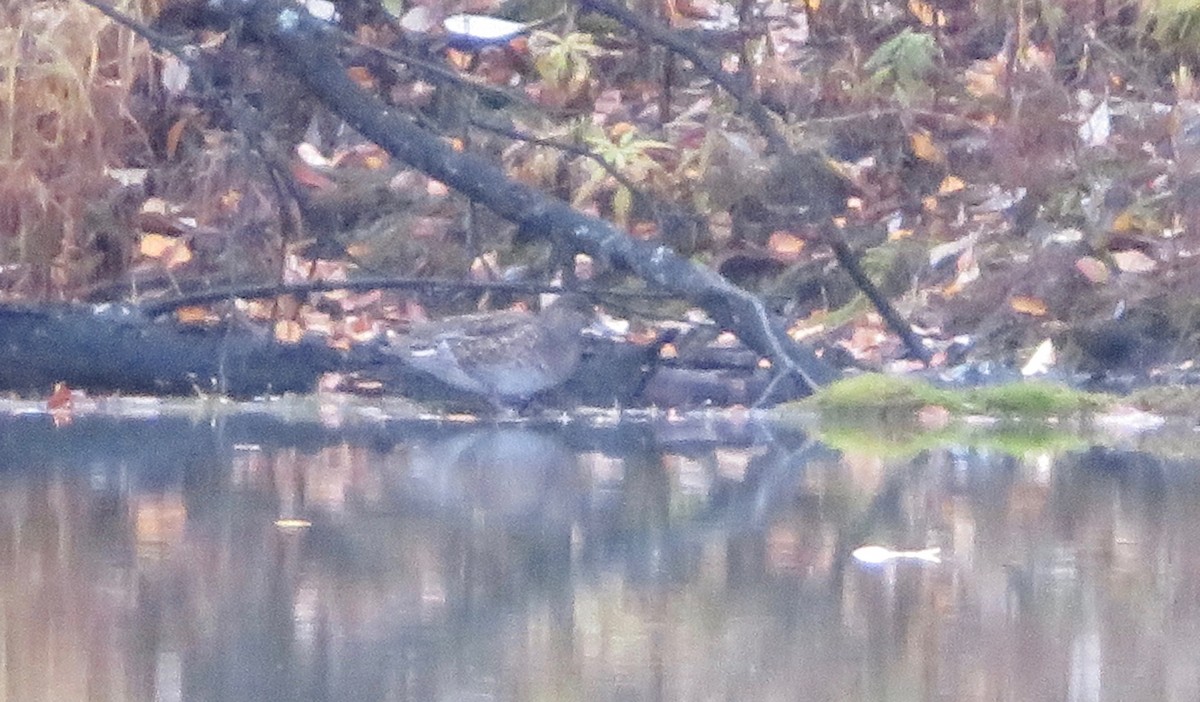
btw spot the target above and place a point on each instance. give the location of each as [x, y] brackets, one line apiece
[923, 147]
[951, 184]
[1032, 306]
[288, 331]
[1133, 261]
[196, 315]
[1093, 269]
[785, 246]
[169, 251]
[308, 176]
[362, 77]
[174, 135]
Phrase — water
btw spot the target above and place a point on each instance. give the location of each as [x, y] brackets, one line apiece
[247, 558]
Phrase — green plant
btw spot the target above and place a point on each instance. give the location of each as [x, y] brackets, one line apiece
[565, 63]
[632, 156]
[904, 65]
[1174, 25]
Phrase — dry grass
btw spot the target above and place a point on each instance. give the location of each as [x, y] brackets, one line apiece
[67, 76]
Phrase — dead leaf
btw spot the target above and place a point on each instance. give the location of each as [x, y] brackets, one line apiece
[288, 331]
[308, 176]
[1133, 261]
[459, 59]
[983, 77]
[1032, 306]
[951, 184]
[785, 246]
[923, 147]
[362, 77]
[196, 315]
[1126, 221]
[1093, 269]
[174, 135]
[169, 251]
[927, 14]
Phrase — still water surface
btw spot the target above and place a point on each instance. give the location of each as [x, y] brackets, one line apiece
[251, 559]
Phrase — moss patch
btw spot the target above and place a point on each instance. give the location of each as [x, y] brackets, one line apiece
[879, 414]
[873, 395]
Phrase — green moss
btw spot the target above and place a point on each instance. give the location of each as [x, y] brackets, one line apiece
[873, 394]
[877, 414]
[1035, 399]
[878, 393]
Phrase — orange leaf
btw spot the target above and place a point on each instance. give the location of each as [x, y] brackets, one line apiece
[1032, 306]
[458, 59]
[785, 246]
[179, 255]
[155, 245]
[951, 184]
[620, 129]
[924, 148]
[1125, 221]
[195, 315]
[288, 331]
[983, 77]
[169, 251]
[362, 77]
[174, 134]
[923, 11]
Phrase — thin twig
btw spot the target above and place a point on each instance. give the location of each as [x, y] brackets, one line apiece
[251, 292]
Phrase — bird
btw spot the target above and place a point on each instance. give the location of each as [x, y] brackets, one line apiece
[507, 357]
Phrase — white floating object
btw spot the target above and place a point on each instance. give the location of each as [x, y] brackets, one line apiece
[482, 29]
[322, 9]
[874, 555]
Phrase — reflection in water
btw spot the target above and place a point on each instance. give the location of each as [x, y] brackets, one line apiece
[147, 561]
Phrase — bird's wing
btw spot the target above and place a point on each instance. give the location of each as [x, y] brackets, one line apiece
[455, 329]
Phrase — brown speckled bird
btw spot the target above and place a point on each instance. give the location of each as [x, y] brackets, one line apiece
[507, 356]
